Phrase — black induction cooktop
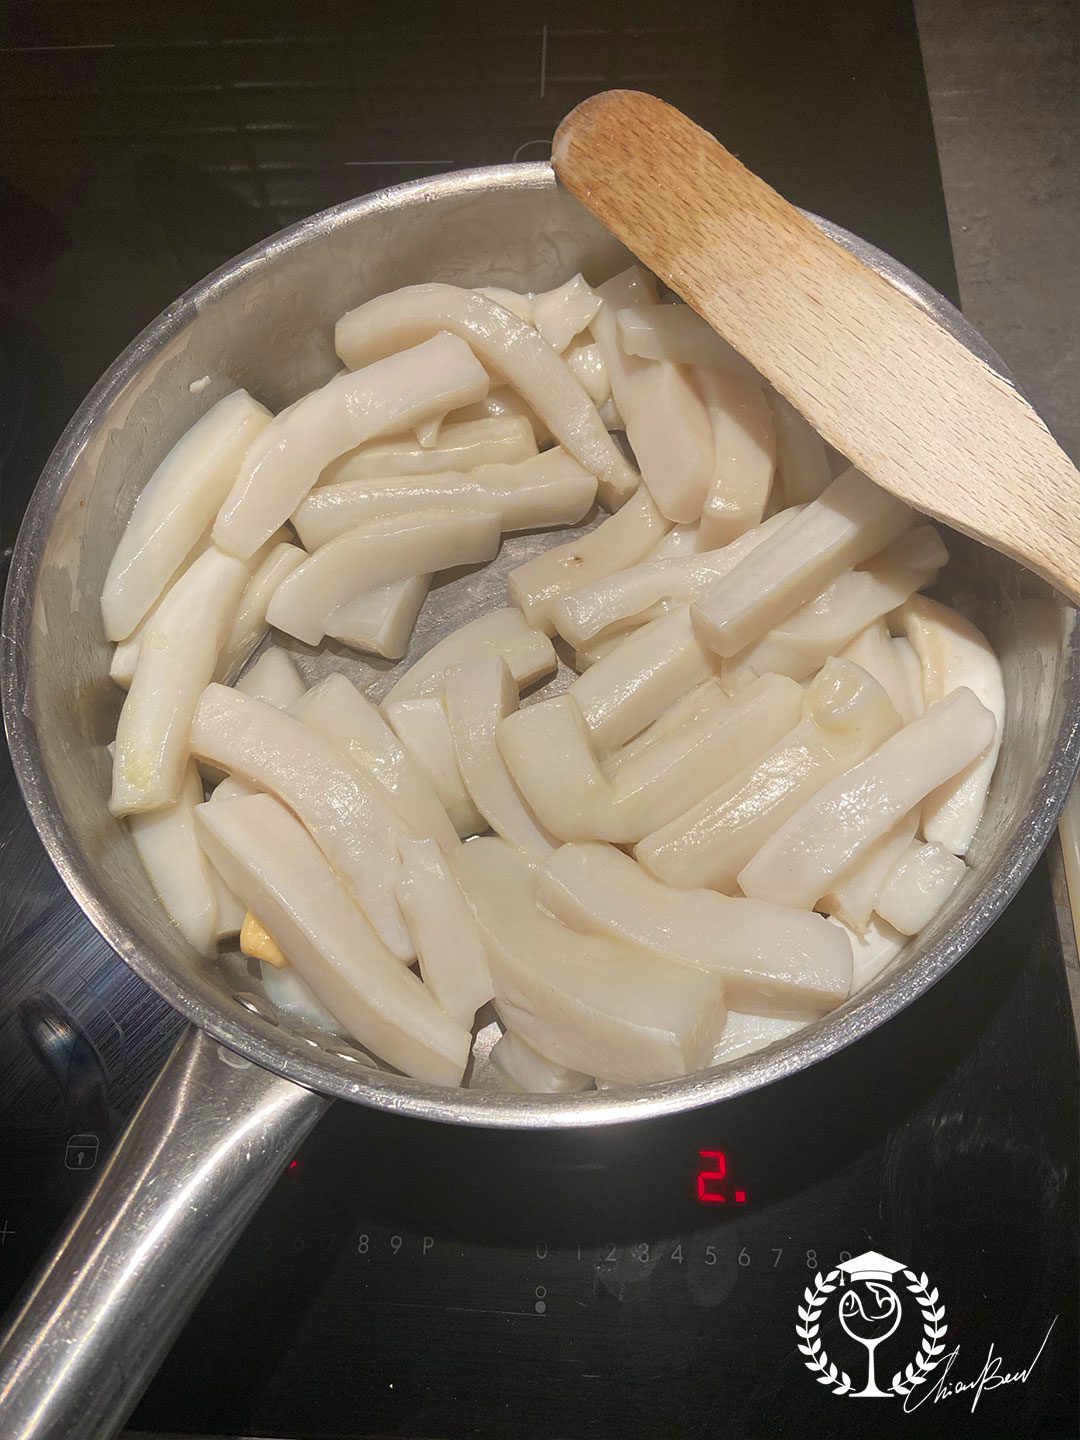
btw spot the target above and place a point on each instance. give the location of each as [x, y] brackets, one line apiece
[411, 1280]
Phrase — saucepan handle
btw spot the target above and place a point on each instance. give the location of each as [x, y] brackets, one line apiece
[200, 1153]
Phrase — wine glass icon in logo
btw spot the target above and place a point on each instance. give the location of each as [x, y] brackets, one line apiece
[870, 1318]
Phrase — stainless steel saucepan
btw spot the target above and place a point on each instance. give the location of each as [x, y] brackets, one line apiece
[244, 1085]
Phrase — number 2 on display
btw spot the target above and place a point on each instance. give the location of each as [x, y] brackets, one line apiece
[711, 1177]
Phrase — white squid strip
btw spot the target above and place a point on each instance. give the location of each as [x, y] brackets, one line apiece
[179, 871]
[427, 432]
[249, 623]
[743, 1034]
[529, 1071]
[291, 453]
[273, 679]
[830, 832]
[544, 491]
[348, 814]
[678, 334]
[802, 461]
[463, 445]
[231, 911]
[337, 710]
[549, 752]
[953, 652]
[847, 715]
[564, 312]
[853, 899]
[893, 664]
[622, 539]
[630, 592]
[381, 621]
[851, 521]
[505, 404]
[744, 451]
[421, 725]
[529, 654]
[873, 953]
[595, 649]
[801, 644]
[453, 964]
[376, 553]
[517, 302]
[290, 994]
[650, 670]
[478, 696]
[679, 541]
[586, 364]
[665, 418]
[595, 1005]
[707, 698]
[176, 507]
[278, 871]
[918, 886]
[772, 960]
[509, 347]
[177, 655]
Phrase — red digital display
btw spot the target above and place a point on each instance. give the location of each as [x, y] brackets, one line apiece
[712, 1180]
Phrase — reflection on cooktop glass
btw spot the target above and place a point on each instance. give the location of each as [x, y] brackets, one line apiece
[683, 1278]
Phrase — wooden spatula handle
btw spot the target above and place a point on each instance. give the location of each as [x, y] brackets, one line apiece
[878, 377]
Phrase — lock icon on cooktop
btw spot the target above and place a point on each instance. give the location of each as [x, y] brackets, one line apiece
[81, 1152]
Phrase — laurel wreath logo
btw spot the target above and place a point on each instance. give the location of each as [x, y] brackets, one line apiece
[839, 1381]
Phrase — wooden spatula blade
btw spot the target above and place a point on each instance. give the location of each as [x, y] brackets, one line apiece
[875, 374]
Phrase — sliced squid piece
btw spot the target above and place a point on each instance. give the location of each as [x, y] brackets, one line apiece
[478, 696]
[176, 507]
[678, 334]
[873, 952]
[603, 644]
[281, 875]
[853, 899]
[833, 829]
[889, 661]
[802, 461]
[563, 313]
[453, 964]
[679, 541]
[463, 444]
[502, 403]
[706, 698]
[744, 451]
[249, 623]
[802, 643]
[586, 364]
[294, 998]
[952, 653]
[177, 655]
[744, 1034]
[847, 715]
[595, 1005]
[529, 1071]
[347, 812]
[544, 491]
[510, 348]
[377, 553]
[665, 418]
[529, 654]
[628, 594]
[273, 679]
[381, 621]
[344, 715]
[621, 540]
[427, 432]
[231, 913]
[772, 960]
[257, 943]
[421, 725]
[181, 874]
[549, 752]
[918, 886]
[852, 520]
[649, 671]
[291, 453]
[518, 303]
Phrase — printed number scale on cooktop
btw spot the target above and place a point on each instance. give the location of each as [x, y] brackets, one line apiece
[424, 1282]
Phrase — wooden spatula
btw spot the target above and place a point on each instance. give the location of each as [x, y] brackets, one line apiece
[873, 372]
